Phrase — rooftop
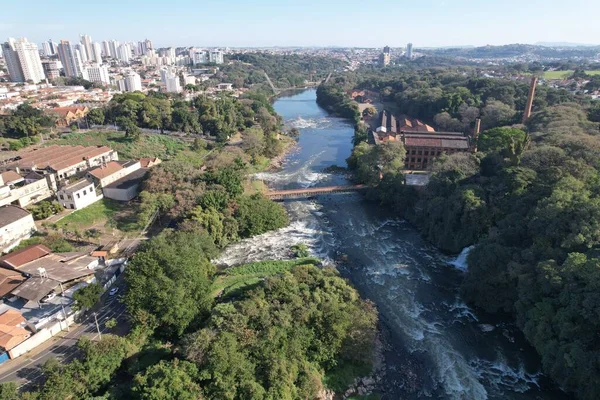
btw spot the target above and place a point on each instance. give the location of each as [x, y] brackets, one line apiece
[129, 180]
[27, 254]
[57, 157]
[35, 288]
[106, 170]
[11, 213]
[10, 176]
[61, 268]
[76, 186]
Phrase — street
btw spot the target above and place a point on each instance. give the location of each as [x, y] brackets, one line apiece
[26, 370]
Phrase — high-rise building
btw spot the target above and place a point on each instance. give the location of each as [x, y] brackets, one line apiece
[133, 82]
[82, 52]
[216, 56]
[71, 60]
[51, 69]
[200, 57]
[106, 49]
[386, 49]
[124, 53]
[86, 42]
[98, 74]
[113, 46]
[23, 60]
[170, 78]
[409, 50]
[47, 49]
[97, 52]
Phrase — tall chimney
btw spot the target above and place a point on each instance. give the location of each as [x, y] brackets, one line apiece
[476, 133]
[529, 105]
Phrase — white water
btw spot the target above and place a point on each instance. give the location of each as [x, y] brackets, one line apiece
[465, 356]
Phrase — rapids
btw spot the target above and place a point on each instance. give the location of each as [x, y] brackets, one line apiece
[436, 345]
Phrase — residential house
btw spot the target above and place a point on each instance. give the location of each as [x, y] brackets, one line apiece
[78, 195]
[9, 281]
[16, 224]
[68, 115]
[12, 329]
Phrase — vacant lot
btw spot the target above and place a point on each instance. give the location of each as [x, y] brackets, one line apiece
[235, 279]
[105, 215]
[160, 146]
[565, 74]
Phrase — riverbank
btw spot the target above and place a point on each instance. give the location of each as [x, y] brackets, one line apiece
[436, 346]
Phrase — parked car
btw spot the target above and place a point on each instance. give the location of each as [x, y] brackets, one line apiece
[113, 291]
[48, 297]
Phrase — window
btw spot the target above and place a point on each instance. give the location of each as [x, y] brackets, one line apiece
[426, 152]
[420, 152]
[69, 197]
[84, 192]
[412, 159]
[78, 196]
[71, 206]
[413, 152]
[62, 197]
[418, 160]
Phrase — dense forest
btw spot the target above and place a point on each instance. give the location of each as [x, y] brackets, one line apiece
[528, 200]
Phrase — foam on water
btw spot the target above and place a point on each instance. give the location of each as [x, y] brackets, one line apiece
[304, 176]
[461, 261]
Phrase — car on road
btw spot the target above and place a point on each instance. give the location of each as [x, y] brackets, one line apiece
[113, 291]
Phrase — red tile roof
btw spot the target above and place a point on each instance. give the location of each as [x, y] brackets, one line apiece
[106, 170]
[21, 257]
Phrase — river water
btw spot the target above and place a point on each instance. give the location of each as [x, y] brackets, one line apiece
[436, 346]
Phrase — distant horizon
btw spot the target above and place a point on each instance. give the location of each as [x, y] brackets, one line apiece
[292, 46]
[307, 23]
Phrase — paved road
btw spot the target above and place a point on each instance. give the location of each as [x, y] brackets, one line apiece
[26, 370]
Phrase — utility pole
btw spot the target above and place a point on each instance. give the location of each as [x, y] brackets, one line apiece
[65, 315]
[97, 326]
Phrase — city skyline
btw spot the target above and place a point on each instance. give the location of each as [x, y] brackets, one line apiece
[267, 23]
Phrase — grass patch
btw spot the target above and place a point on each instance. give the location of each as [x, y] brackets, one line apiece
[341, 377]
[565, 74]
[98, 213]
[160, 146]
[236, 279]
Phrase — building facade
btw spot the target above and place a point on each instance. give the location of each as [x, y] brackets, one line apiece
[133, 82]
[71, 60]
[51, 69]
[16, 224]
[78, 195]
[23, 60]
[98, 74]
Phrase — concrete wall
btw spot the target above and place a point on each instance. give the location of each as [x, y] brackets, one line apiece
[41, 336]
[121, 194]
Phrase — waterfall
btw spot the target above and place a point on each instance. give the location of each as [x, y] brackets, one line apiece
[460, 262]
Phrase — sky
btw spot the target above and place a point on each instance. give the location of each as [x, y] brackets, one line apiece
[347, 23]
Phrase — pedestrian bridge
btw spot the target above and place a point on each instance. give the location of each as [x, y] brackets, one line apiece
[311, 192]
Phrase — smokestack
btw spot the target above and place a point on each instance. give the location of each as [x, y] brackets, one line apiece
[527, 113]
[476, 133]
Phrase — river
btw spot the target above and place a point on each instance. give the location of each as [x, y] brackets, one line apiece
[435, 345]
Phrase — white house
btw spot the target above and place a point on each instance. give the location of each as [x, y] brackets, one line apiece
[16, 224]
[78, 195]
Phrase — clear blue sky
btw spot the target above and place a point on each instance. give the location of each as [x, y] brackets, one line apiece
[305, 23]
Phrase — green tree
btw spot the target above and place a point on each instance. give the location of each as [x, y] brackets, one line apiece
[256, 215]
[169, 280]
[168, 380]
[88, 296]
[96, 116]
